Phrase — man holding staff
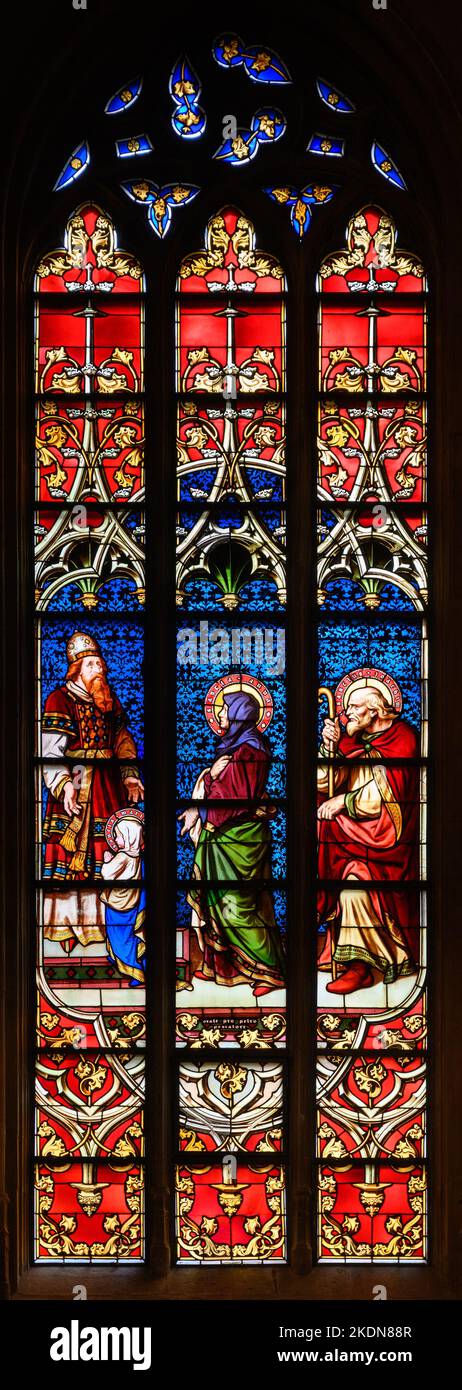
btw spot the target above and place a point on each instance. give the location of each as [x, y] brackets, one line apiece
[368, 817]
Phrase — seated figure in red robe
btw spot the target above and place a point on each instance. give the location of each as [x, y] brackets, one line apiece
[368, 836]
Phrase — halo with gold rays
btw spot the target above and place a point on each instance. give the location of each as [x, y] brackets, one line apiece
[229, 685]
[373, 679]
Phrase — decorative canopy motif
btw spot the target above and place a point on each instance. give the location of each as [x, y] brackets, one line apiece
[231, 452]
[372, 260]
[90, 258]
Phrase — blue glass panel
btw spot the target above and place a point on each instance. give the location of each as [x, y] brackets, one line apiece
[300, 202]
[231, 553]
[269, 124]
[261, 63]
[335, 100]
[344, 594]
[228, 51]
[174, 195]
[133, 145]
[231, 516]
[259, 595]
[273, 520]
[385, 166]
[125, 97]
[344, 647]
[159, 201]
[239, 149]
[198, 486]
[118, 595]
[76, 164]
[326, 145]
[188, 119]
[228, 517]
[141, 190]
[160, 217]
[210, 652]
[327, 521]
[264, 484]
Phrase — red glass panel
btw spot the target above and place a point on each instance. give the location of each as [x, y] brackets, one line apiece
[206, 335]
[222, 1221]
[92, 1213]
[77, 1013]
[71, 344]
[371, 1106]
[103, 443]
[89, 350]
[349, 468]
[377, 835]
[260, 439]
[374, 1212]
[405, 1029]
[371, 813]
[385, 351]
[387, 950]
[371, 261]
[89, 1106]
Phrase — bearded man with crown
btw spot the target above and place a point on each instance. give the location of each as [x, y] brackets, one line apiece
[368, 836]
[90, 773]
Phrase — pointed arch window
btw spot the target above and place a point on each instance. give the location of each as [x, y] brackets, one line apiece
[373, 747]
[89, 780]
[232, 921]
[251, 1153]
[231, 750]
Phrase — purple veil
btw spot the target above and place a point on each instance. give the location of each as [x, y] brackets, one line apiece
[244, 713]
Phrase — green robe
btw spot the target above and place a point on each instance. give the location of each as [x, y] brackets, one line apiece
[242, 942]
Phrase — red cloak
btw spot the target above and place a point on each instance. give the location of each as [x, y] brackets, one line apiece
[385, 848]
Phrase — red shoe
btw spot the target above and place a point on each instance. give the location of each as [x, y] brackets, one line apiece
[265, 989]
[358, 976]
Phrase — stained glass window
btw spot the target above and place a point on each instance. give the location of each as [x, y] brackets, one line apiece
[225, 323]
[231, 760]
[371, 781]
[89, 794]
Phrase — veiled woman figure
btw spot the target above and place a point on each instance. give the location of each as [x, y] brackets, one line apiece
[233, 912]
